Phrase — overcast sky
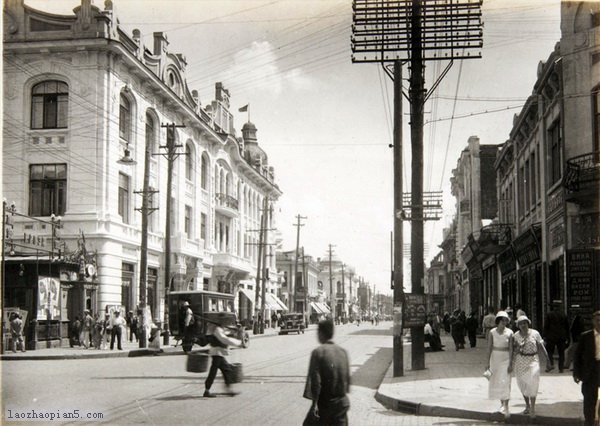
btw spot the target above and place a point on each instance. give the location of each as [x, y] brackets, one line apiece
[326, 123]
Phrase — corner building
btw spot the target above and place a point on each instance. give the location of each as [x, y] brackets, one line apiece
[80, 93]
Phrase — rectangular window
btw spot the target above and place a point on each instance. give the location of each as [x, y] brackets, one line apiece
[533, 180]
[126, 284]
[203, 226]
[188, 222]
[124, 197]
[596, 119]
[521, 191]
[554, 150]
[527, 184]
[47, 189]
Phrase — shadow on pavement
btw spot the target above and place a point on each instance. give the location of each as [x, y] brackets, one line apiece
[180, 397]
[371, 373]
[274, 379]
[371, 332]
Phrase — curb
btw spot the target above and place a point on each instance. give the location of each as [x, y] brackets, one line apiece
[168, 351]
[419, 409]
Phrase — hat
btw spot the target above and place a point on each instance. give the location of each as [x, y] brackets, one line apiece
[509, 309]
[186, 303]
[502, 314]
[523, 318]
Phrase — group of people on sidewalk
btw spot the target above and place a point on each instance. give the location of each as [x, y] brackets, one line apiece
[92, 331]
[521, 352]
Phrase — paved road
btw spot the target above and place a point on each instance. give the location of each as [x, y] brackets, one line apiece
[158, 390]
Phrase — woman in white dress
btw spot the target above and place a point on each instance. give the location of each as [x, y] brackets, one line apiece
[500, 347]
[528, 344]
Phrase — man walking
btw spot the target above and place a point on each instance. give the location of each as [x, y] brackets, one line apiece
[219, 349]
[118, 324]
[586, 368]
[86, 328]
[556, 335]
[489, 322]
[16, 332]
[328, 379]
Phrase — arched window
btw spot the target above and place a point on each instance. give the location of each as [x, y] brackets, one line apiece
[49, 105]
[204, 172]
[189, 162]
[124, 118]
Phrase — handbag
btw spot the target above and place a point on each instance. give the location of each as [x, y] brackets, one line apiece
[487, 374]
[311, 419]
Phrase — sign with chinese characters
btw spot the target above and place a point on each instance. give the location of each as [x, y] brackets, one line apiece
[415, 313]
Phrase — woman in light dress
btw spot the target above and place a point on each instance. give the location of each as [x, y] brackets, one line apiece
[500, 348]
[528, 344]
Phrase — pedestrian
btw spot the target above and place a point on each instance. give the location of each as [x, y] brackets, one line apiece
[75, 332]
[527, 346]
[86, 329]
[273, 320]
[16, 332]
[117, 325]
[328, 379]
[107, 323]
[500, 348]
[471, 325]
[433, 338]
[586, 369]
[463, 319]
[520, 311]
[457, 329]
[98, 333]
[133, 328]
[154, 340]
[219, 349]
[556, 335]
[489, 321]
[446, 322]
[575, 330]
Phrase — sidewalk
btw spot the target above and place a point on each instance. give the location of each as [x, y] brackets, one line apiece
[452, 385]
[130, 349]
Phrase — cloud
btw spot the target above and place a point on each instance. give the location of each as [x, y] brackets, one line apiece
[258, 67]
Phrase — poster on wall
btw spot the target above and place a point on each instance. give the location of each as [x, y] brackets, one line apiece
[48, 298]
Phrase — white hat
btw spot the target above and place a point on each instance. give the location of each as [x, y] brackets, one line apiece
[502, 314]
[523, 318]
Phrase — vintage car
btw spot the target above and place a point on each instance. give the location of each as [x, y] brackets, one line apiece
[291, 323]
[209, 308]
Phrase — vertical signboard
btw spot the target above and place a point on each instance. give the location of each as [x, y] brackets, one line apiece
[581, 282]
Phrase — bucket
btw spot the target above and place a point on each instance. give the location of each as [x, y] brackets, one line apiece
[236, 372]
[197, 363]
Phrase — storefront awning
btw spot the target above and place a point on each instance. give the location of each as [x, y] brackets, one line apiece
[274, 300]
[324, 307]
[316, 309]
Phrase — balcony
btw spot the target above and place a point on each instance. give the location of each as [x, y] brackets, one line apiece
[582, 176]
[228, 261]
[227, 205]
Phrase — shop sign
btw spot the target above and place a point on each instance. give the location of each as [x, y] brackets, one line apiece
[555, 201]
[488, 261]
[415, 314]
[397, 319]
[506, 261]
[48, 298]
[526, 248]
[586, 230]
[581, 278]
[557, 235]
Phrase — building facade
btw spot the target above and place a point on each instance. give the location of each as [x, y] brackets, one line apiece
[80, 94]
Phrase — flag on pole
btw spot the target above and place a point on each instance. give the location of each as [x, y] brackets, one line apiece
[244, 108]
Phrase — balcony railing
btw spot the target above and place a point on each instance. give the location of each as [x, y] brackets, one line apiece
[494, 238]
[224, 200]
[582, 171]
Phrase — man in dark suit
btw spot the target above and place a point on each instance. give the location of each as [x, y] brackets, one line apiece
[586, 367]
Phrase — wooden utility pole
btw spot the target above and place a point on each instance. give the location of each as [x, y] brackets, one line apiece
[171, 154]
[261, 243]
[265, 223]
[398, 240]
[294, 289]
[386, 31]
[332, 295]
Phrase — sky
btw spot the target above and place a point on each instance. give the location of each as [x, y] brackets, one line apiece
[326, 123]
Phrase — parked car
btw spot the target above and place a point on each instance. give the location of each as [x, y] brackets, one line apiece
[291, 323]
